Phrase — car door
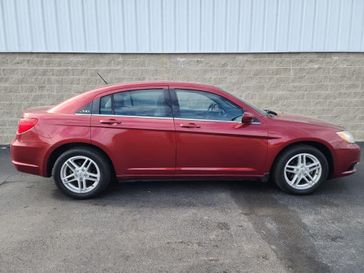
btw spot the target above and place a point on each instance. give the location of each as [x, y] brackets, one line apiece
[211, 140]
[136, 128]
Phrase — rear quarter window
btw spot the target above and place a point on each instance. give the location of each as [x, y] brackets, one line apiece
[85, 110]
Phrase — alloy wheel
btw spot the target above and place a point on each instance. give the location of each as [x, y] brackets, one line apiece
[80, 174]
[302, 171]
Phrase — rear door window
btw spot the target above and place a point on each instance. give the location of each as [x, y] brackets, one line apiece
[144, 103]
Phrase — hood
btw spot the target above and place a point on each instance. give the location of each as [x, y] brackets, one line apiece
[306, 120]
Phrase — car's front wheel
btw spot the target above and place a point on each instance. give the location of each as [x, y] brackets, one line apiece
[82, 173]
[300, 169]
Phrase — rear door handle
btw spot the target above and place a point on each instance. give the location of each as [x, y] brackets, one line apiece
[110, 121]
[189, 125]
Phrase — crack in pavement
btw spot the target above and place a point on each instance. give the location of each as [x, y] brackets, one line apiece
[21, 179]
[4, 179]
[281, 228]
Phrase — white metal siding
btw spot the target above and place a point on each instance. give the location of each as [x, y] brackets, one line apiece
[153, 26]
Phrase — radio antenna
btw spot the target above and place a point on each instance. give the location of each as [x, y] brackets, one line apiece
[102, 78]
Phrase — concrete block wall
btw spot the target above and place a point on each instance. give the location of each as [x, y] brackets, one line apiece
[329, 86]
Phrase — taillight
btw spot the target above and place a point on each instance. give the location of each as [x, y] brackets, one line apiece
[25, 124]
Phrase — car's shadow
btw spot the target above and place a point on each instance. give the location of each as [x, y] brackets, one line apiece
[207, 193]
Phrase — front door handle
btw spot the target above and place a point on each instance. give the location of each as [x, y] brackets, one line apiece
[189, 125]
[110, 121]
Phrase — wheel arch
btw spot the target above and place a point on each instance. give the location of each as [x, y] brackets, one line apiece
[324, 148]
[54, 154]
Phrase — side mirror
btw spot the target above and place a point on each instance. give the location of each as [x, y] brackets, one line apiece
[247, 118]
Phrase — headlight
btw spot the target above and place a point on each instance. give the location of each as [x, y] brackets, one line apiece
[347, 136]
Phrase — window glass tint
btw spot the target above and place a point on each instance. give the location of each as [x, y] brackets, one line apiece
[152, 103]
[204, 105]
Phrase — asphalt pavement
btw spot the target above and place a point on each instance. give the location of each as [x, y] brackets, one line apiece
[217, 226]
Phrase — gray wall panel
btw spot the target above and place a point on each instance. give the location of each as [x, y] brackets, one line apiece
[181, 26]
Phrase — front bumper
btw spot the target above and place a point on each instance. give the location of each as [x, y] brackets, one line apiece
[346, 159]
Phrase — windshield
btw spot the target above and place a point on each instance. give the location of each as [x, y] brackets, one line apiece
[263, 112]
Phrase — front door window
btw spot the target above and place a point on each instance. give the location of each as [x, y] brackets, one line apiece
[205, 106]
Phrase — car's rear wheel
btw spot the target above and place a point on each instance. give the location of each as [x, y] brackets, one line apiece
[300, 169]
[82, 173]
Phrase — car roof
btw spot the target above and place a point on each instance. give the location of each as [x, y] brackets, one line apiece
[169, 83]
[73, 103]
[149, 84]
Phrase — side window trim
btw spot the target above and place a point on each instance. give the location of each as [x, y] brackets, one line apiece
[112, 104]
[95, 107]
[174, 102]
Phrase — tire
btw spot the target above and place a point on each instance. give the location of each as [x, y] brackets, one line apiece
[296, 166]
[78, 182]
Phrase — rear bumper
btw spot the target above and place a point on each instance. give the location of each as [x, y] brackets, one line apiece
[346, 159]
[28, 157]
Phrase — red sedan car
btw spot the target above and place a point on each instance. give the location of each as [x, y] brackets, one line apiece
[170, 130]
